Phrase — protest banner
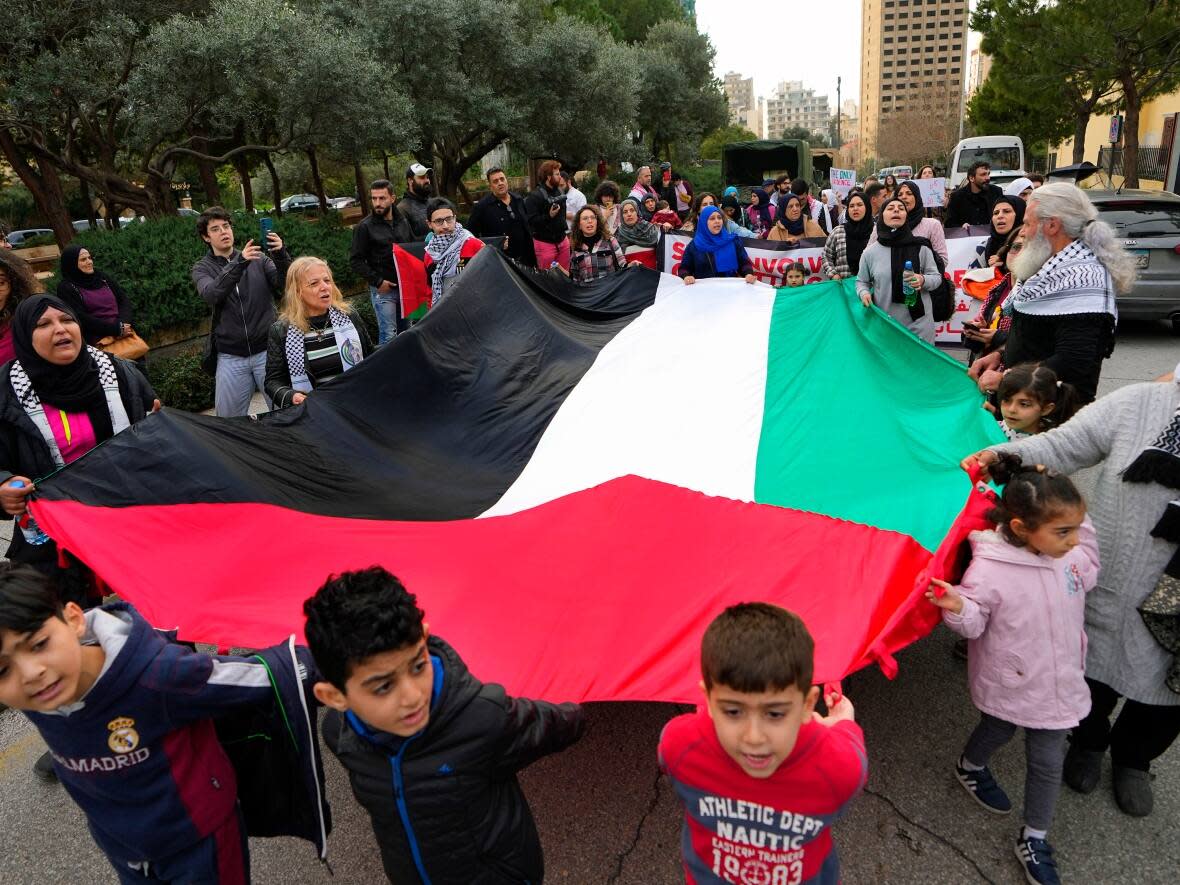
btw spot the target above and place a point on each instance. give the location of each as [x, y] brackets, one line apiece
[771, 260]
[843, 180]
[933, 192]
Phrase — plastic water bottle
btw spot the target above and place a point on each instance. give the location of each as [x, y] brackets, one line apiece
[911, 294]
[28, 525]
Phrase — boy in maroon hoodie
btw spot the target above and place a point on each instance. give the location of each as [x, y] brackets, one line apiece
[761, 775]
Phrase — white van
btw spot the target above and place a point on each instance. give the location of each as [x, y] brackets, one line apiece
[901, 173]
[1004, 153]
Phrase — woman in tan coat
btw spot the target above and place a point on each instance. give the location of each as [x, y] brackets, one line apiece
[793, 224]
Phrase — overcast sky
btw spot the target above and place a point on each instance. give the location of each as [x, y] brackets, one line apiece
[756, 38]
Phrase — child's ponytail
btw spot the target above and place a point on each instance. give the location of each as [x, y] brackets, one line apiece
[1031, 494]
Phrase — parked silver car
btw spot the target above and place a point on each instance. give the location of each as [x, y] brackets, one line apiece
[1148, 224]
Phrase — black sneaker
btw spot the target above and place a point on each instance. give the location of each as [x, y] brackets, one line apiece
[43, 768]
[1036, 856]
[1083, 769]
[983, 788]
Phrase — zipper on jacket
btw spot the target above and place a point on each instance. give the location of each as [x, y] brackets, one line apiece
[403, 811]
[311, 736]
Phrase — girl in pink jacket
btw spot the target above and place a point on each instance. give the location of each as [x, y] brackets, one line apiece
[1021, 605]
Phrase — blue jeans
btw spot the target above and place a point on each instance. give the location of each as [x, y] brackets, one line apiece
[385, 306]
[237, 379]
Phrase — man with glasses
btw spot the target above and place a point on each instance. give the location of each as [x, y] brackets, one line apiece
[241, 287]
[371, 256]
[501, 214]
[449, 250]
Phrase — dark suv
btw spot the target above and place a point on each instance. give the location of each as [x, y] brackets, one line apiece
[1147, 223]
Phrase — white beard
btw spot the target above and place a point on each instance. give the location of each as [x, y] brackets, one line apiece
[1031, 258]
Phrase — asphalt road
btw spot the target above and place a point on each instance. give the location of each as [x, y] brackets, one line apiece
[606, 816]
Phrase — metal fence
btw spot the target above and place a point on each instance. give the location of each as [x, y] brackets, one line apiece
[1151, 163]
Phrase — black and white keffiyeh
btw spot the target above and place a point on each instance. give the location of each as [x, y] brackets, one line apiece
[348, 340]
[1072, 281]
[445, 249]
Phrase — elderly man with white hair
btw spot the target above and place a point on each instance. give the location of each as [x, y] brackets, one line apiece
[1063, 308]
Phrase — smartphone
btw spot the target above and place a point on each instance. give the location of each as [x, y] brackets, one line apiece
[974, 327]
[266, 225]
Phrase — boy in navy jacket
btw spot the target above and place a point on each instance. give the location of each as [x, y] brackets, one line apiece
[431, 752]
[126, 715]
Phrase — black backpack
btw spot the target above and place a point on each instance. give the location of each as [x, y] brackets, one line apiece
[942, 299]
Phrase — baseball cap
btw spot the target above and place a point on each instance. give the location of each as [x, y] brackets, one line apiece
[417, 169]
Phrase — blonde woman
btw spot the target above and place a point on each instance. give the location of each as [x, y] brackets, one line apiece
[316, 337]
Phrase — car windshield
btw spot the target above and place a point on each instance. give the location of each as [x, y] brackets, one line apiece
[1143, 219]
[996, 157]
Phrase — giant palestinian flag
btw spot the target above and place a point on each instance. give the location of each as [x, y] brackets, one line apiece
[573, 481]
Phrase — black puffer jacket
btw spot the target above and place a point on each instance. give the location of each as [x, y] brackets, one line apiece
[23, 452]
[242, 294]
[445, 804]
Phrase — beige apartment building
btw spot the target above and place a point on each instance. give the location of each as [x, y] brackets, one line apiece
[912, 59]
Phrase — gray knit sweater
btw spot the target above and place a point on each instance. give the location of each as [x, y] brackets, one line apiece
[1113, 431]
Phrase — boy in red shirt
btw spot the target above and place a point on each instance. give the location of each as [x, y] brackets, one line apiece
[761, 775]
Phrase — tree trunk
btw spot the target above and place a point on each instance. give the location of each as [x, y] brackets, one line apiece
[1130, 132]
[362, 190]
[45, 186]
[209, 183]
[275, 184]
[242, 166]
[385, 164]
[1080, 121]
[317, 181]
[91, 217]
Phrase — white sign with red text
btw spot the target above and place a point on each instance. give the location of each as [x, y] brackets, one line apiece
[771, 260]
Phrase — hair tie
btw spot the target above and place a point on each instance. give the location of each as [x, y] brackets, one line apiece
[1089, 221]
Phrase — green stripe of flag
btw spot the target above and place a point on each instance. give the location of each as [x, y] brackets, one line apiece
[863, 421]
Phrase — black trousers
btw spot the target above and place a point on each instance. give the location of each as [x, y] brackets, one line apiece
[1141, 732]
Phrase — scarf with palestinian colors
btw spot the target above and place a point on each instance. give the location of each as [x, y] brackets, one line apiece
[347, 339]
[1160, 462]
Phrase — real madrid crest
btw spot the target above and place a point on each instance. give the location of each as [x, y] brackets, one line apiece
[124, 738]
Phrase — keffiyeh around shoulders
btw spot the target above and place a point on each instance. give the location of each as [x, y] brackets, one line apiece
[1072, 281]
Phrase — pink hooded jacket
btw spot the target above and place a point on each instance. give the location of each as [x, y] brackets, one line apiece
[1024, 615]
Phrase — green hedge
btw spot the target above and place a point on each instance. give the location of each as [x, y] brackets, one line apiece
[180, 383]
[153, 261]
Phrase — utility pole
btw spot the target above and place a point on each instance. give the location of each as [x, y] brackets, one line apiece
[839, 141]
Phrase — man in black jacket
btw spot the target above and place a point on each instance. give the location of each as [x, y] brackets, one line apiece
[546, 214]
[972, 203]
[241, 288]
[502, 214]
[401, 700]
[371, 256]
[413, 201]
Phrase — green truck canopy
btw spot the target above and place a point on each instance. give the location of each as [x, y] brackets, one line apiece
[749, 163]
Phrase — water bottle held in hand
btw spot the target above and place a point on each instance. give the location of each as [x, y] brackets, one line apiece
[28, 526]
[911, 294]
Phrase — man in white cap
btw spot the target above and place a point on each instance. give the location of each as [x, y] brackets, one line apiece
[413, 201]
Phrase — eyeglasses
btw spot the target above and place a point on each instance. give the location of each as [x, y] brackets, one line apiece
[219, 228]
[443, 222]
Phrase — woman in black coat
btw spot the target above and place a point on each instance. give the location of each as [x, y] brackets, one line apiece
[58, 399]
[102, 308]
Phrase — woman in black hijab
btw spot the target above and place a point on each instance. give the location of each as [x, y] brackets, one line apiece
[883, 278]
[102, 308]
[1007, 216]
[848, 241]
[58, 399]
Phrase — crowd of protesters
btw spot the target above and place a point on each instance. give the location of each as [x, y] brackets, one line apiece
[1047, 320]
